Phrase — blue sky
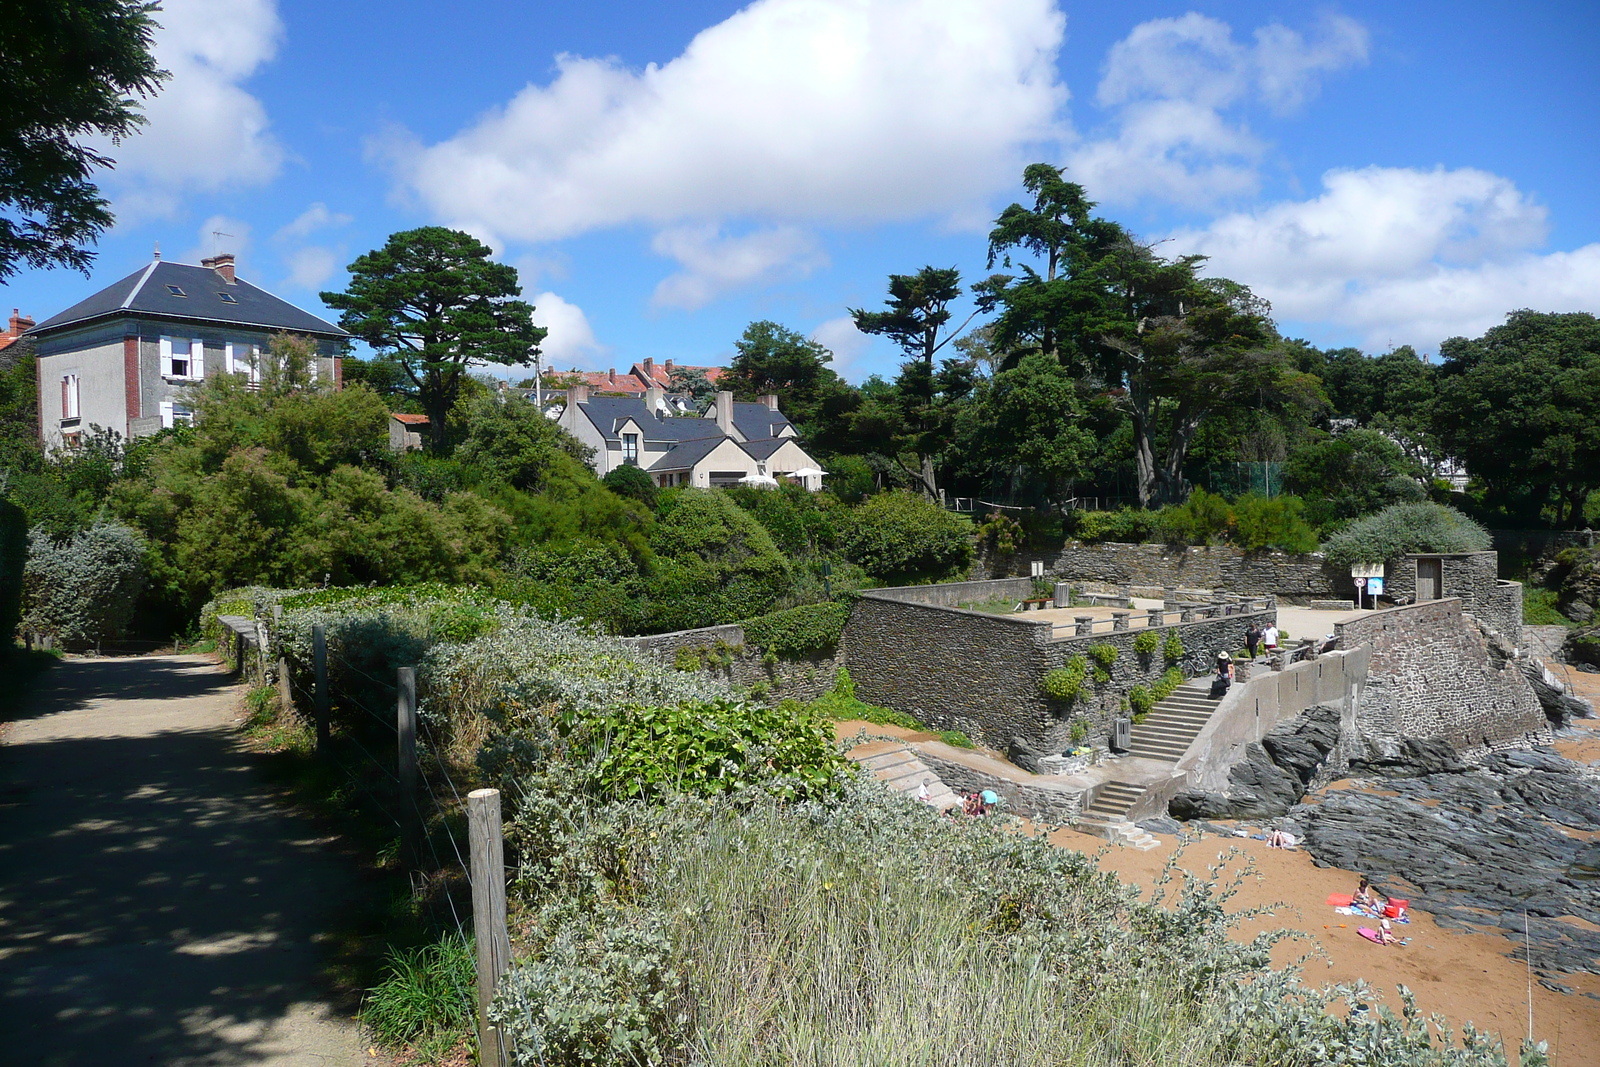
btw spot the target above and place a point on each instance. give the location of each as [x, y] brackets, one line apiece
[663, 174]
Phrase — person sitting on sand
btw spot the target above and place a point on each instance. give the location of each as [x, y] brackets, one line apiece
[1386, 935]
[1363, 893]
[1279, 839]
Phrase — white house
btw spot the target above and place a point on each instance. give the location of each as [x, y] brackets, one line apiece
[731, 442]
[123, 359]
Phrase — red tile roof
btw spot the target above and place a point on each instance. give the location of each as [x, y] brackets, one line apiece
[409, 420]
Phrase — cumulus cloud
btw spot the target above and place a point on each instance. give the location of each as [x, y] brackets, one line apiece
[847, 343]
[714, 264]
[1168, 84]
[221, 233]
[1402, 255]
[790, 111]
[314, 218]
[311, 266]
[571, 342]
[204, 132]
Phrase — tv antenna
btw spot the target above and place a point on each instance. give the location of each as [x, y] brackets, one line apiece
[216, 241]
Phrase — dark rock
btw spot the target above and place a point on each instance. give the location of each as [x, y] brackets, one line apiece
[1161, 825]
[1560, 706]
[1024, 755]
[1272, 776]
[1301, 745]
[1556, 987]
[1528, 759]
[1586, 863]
[1417, 756]
[1192, 804]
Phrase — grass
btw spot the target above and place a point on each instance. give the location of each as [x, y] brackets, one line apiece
[1539, 608]
[425, 1001]
[842, 705]
[995, 605]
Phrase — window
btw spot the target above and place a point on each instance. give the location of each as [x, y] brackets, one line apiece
[175, 415]
[69, 397]
[630, 448]
[227, 298]
[243, 358]
[183, 358]
[175, 291]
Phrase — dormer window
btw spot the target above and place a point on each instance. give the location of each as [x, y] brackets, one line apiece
[630, 448]
[175, 291]
[227, 298]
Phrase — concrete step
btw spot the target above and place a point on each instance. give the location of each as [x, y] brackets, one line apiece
[1119, 832]
[902, 771]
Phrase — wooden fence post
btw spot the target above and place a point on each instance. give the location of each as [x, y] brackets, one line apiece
[285, 691]
[488, 914]
[319, 661]
[406, 755]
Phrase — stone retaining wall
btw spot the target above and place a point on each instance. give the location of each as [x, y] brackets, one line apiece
[956, 669]
[1472, 577]
[1433, 674]
[803, 679]
[1060, 805]
[1294, 578]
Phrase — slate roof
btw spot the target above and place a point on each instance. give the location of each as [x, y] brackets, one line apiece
[609, 412]
[145, 292]
[764, 448]
[686, 454]
[757, 421]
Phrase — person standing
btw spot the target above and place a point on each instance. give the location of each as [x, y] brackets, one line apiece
[1252, 640]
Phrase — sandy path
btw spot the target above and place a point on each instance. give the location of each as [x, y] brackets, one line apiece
[156, 905]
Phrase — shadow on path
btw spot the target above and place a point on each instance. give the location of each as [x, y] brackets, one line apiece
[156, 905]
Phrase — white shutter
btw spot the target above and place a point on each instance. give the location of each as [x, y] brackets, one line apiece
[166, 357]
[229, 360]
[166, 414]
[197, 359]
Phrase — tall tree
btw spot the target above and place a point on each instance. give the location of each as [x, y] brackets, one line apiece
[918, 312]
[433, 300]
[72, 71]
[770, 358]
[1521, 405]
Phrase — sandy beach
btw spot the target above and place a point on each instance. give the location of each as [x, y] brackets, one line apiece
[1464, 976]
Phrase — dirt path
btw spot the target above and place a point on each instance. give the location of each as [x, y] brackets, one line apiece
[157, 906]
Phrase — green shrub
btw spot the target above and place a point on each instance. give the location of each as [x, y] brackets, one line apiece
[687, 659]
[714, 563]
[1079, 731]
[427, 997]
[1204, 519]
[1104, 656]
[955, 739]
[86, 588]
[808, 630]
[905, 537]
[1166, 685]
[1172, 649]
[703, 747]
[632, 481]
[1141, 700]
[1126, 525]
[1403, 528]
[1272, 522]
[1146, 642]
[1001, 533]
[1064, 683]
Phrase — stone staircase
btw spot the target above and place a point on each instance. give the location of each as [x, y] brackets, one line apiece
[1107, 816]
[898, 767]
[1172, 724]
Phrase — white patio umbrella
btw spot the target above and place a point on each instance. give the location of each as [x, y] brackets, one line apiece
[758, 479]
[807, 472]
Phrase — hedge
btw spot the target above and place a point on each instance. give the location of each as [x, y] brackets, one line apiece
[811, 629]
[13, 558]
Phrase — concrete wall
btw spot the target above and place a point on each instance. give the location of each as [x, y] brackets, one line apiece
[956, 669]
[102, 396]
[1434, 675]
[1293, 578]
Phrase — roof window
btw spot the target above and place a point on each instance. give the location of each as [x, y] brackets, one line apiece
[175, 291]
[227, 298]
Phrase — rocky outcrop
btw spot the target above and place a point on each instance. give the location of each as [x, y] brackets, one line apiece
[1477, 847]
[1560, 706]
[1273, 775]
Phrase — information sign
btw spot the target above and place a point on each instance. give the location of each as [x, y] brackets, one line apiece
[1366, 570]
[1375, 586]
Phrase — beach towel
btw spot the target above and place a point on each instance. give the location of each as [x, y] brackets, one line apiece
[1340, 900]
[1372, 935]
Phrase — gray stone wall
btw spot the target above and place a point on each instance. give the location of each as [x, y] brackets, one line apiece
[956, 669]
[1045, 801]
[1433, 674]
[802, 679]
[1473, 578]
[1294, 578]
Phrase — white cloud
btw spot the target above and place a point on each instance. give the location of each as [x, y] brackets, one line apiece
[789, 111]
[714, 264]
[571, 342]
[847, 343]
[1402, 255]
[204, 132]
[311, 266]
[314, 218]
[1168, 83]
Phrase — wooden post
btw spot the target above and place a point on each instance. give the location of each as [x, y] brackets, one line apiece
[406, 749]
[285, 692]
[488, 913]
[319, 661]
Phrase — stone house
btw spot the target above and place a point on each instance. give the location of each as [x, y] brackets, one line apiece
[125, 358]
[406, 431]
[731, 442]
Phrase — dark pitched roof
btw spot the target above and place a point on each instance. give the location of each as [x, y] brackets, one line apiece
[765, 447]
[686, 454]
[609, 412]
[145, 292]
[757, 421]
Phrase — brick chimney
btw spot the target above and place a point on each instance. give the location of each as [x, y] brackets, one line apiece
[222, 263]
[668, 365]
[578, 394]
[724, 409]
[19, 325]
[771, 400]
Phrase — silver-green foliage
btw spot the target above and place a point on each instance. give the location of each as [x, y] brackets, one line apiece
[84, 588]
[865, 929]
[1404, 528]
